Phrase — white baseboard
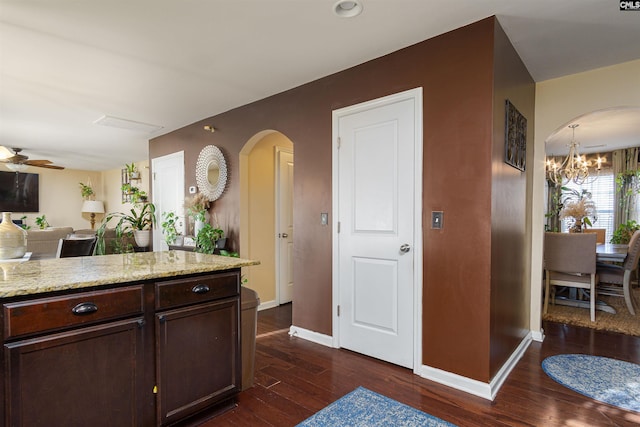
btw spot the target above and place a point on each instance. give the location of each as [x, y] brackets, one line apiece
[267, 305]
[475, 387]
[308, 335]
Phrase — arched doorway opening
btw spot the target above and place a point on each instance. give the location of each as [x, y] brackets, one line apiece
[266, 209]
[600, 133]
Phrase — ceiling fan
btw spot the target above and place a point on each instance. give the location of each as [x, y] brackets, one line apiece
[19, 162]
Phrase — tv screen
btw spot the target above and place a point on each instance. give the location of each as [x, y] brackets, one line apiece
[19, 192]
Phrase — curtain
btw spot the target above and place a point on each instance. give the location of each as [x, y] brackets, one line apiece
[624, 160]
[554, 198]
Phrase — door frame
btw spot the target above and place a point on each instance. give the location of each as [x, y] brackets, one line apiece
[415, 95]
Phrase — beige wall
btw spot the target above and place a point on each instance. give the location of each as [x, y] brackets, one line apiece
[61, 201]
[558, 101]
[60, 198]
[112, 183]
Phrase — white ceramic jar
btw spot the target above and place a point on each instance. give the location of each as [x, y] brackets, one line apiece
[13, 239]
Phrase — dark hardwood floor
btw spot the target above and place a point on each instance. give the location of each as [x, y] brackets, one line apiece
[295, 378]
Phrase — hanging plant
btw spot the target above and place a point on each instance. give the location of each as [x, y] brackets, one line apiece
[86, 191]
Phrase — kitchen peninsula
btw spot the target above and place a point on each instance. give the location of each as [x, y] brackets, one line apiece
[139, 339]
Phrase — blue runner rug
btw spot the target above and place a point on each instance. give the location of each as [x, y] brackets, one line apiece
[606, 380]
[364, 408]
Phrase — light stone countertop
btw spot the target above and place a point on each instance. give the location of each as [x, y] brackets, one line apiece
[50, 275]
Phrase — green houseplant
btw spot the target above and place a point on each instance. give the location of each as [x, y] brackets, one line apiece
[86, 191]
[132, 170]
[169, 227]
[41, 222]
[138, 222]
[623, 233]
[207, 238]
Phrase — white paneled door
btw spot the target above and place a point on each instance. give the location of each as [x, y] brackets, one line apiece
[284, 219]
[167, 187]
[376, 192]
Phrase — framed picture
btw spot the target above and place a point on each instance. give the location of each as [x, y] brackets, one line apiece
[515, 137]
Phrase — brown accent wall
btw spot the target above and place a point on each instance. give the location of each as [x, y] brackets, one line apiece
[509, 242]
[457, 75]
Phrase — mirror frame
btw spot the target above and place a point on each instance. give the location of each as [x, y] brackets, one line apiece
[210, 154]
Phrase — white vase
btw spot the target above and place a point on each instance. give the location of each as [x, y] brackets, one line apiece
[13, 239]
[142, 237]
[197, 226]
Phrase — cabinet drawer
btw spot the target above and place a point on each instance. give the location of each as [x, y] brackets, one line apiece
[47, 314]
[173, 293]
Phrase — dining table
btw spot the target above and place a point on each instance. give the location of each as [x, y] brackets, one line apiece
[611, 252]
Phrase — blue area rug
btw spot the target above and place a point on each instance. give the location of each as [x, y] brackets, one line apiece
[606, 380]
[363, 407]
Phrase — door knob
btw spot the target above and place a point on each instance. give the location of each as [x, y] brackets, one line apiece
[285, 235]
[405, 248]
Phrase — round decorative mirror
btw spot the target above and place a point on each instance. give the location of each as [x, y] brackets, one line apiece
[211, 172]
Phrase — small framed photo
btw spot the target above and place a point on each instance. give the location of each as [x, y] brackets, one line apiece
[515, 137]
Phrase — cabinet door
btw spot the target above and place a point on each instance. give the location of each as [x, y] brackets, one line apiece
[86, 377]
[198, 359]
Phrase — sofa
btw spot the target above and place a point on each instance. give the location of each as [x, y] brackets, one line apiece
[44, 243]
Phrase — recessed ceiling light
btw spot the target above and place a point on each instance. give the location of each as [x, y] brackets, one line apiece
[347, 8]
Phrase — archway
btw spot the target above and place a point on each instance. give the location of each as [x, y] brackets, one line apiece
[258, 212]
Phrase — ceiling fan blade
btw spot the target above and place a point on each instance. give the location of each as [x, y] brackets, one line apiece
[48, 166]
[37, 162]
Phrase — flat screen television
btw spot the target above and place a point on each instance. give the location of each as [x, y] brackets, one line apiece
[19, 192]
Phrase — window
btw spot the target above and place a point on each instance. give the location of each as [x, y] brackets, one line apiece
[603, 194]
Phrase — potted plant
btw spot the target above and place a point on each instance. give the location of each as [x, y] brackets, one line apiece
[197, 207]
[132, 171]
[624, 232]
[207, 238]
[139, 222]
[86, 191]
[579, 207]
[169, 227]
[41, 222]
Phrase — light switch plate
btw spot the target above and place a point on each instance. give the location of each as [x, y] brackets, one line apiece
[436, 219]
[324, 218]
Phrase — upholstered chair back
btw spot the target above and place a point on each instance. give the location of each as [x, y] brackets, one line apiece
[570, 252]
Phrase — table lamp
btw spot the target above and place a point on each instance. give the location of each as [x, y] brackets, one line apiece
[93, 207]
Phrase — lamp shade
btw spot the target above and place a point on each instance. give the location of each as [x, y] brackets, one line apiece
[93, 206]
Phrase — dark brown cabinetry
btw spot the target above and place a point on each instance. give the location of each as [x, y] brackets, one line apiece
[142, 354]
[197, 338]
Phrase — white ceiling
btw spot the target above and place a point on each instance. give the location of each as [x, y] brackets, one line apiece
[66, 63]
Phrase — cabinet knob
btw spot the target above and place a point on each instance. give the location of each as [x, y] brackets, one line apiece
[84, 308]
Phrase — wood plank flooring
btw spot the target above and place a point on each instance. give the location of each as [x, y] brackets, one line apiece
[295, 378]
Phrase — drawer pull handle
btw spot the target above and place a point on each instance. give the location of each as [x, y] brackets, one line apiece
[200, 289]
[84, 308]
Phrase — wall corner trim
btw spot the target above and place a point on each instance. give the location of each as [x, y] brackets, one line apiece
[308, 335]
[477, 388]
[538, 335]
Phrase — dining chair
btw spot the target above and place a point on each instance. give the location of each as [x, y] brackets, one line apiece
[76, 247]
[570, 260]
[616, 279]
[600, 233]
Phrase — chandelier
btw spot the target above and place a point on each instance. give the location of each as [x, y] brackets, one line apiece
[574, 167]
